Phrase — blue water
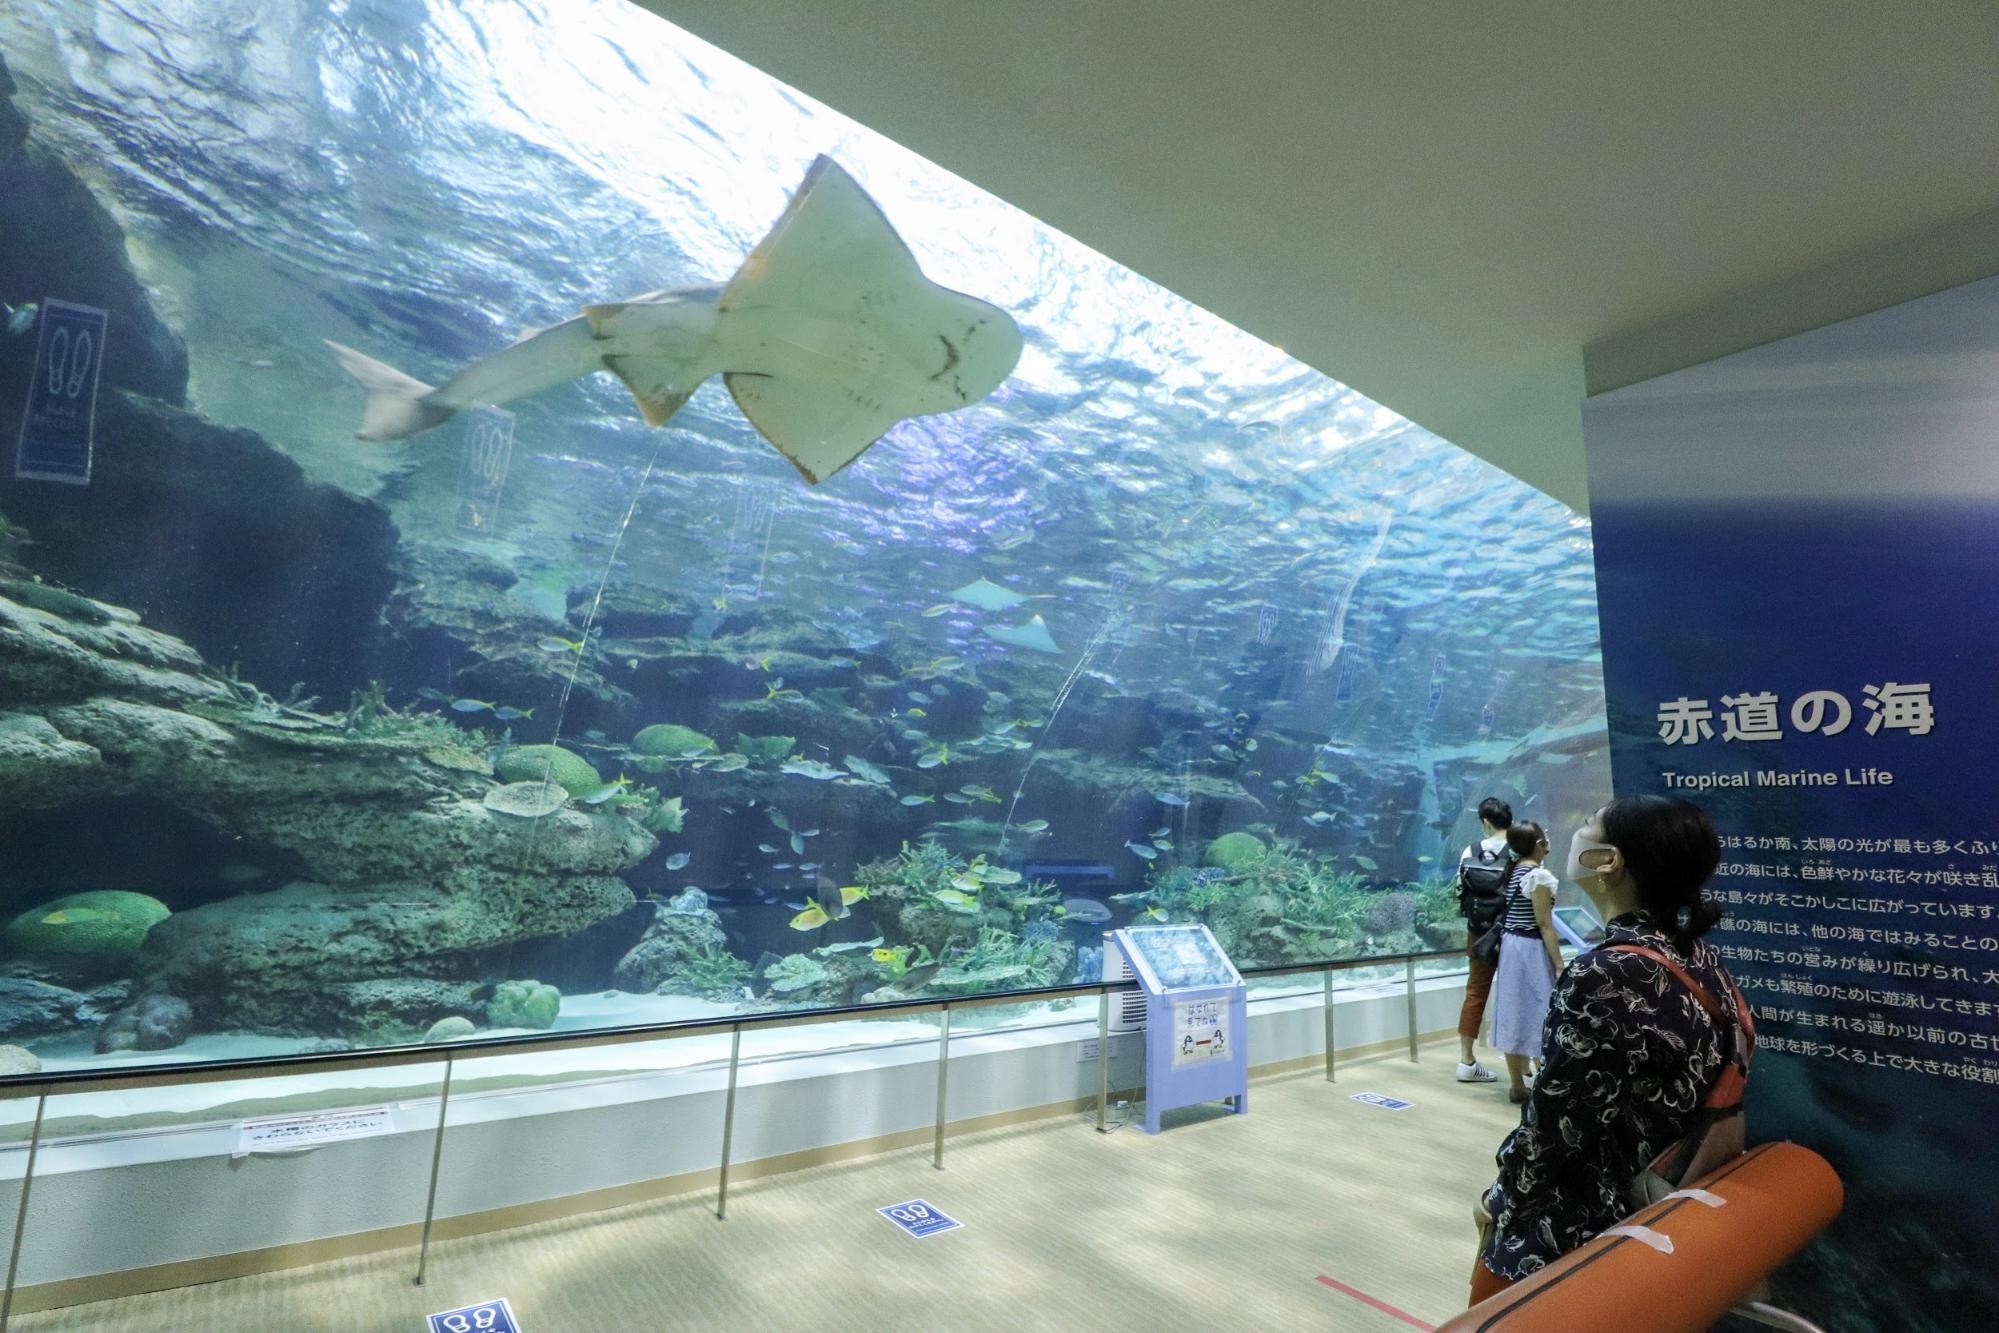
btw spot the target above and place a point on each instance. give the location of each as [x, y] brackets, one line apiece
[1276, 603]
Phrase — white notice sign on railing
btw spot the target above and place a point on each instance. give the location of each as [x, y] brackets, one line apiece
[291, 1133]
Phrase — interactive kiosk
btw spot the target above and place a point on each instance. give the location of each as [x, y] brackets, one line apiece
[1195, 1018]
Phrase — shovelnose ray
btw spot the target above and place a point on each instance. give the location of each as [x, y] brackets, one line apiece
[828, 335]
[1034, 634]
[988, 596]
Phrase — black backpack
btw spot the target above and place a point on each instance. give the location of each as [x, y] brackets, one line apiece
[1482, 882]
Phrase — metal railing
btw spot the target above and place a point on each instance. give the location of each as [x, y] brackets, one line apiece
[42, 1086]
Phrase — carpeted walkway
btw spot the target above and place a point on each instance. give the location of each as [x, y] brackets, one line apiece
[1223, 1222]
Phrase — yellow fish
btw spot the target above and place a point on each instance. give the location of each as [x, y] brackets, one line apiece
[953, 898]
[71, 916]
[887, 956]
[813, 917]
[852, 894]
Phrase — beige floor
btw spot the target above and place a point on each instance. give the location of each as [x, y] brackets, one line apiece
[1222, 1222]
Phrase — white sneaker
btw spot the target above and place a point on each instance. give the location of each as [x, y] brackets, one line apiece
[1476, 1073]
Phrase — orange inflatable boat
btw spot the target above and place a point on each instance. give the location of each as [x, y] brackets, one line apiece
[1680, 1264]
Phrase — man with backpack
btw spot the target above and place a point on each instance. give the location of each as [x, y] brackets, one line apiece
[1482, 874]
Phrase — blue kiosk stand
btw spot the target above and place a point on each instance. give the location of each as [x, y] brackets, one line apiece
[1195, 1018]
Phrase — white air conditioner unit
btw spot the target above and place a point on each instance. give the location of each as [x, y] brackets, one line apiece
[1127, 1007]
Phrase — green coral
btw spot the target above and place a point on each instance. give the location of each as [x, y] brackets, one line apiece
[795, 972]
[1281, 907]
[666, 816]
[524, 1004]
[670, 739]
[766, 749]
[100, 923]
[538, 763]
[1001, 960]
[715, 973]
[1234, 851]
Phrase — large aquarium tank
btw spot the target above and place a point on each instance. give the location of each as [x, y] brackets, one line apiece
[544, 717]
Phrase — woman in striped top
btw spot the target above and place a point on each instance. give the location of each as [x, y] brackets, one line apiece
[1530, 957]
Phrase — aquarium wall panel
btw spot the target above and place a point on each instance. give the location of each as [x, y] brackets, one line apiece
[516, 521]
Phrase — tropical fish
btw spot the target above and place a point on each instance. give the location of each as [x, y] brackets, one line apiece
[1153, 914]
[1033, 826]
[1168, 798]
[809, 768]
[1162, 844]
[509, 713]
[797, 845]
[988, 596]
[992, 875]
[1086, 910]
[776, 817]
[552, 643]
[932, 758]
[599, 795]
[766, 849]
[813, 917]
[919, 800]
[472, 706]
[1142, 849]
[1366, 863]
[1318, 818]
[435, 696]
[956, 898]
[862, 768]
[829, 290]
[957, 798]
[1034, 634]
[917, 712]
[20, 318]
[678, 861]
[1160, 832]
[727, 763]
[918, 697]
[937, 610]
[889, 955]
[76, 916]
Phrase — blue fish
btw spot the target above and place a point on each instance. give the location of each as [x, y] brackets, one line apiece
[678, 861]
[471, 706]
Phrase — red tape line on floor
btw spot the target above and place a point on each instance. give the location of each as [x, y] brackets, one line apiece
[1382, 1306]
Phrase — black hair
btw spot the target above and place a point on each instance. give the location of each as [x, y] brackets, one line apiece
[1524, 839]
[1495, 812]
[1671, 850]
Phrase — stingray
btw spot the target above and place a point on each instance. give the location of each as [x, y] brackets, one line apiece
[988, 596]
[1034, 634]
[828, 335]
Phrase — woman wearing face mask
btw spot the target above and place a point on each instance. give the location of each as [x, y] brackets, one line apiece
[1630, 1052]
[1529, 956]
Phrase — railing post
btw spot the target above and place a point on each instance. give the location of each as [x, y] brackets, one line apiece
[943, 1073]
[728, 1122]
[1331, 1041]
[21, 1213]
[1409, 993]
[1103, 1061]
[436, 1159]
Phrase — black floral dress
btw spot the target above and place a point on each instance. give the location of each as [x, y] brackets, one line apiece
[1629, 1055]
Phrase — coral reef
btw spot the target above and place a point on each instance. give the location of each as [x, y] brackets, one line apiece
[1233, 851]
[524, 1004]
[100, 923]
[540, 763]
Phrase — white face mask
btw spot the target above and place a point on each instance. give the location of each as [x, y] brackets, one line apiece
[1576, 872]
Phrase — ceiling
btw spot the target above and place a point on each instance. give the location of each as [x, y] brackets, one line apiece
[1440, 204]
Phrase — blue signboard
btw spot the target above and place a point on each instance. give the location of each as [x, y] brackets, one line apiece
[1798, 579]
[485, 1317]
[918, 1218]
[55, 438]
[1196, 1018]
[1385, 1103]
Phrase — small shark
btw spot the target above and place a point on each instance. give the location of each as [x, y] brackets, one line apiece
[828, 335]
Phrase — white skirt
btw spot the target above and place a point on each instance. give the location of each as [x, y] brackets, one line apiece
[1520, 991]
